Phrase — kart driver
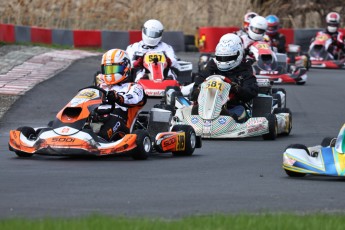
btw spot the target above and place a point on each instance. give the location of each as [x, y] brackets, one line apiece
[152, 32]
[333, 21]
[276, 39]
[127, 97]
[229, 63]
[246, 21]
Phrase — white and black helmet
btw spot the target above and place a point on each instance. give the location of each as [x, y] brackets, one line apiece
[257, 28]
[229, 52]
[152, 32]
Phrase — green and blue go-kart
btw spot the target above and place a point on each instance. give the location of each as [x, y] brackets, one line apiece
[327, 159]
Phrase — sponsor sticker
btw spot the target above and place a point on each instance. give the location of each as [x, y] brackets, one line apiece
[151, 92]
[222, 120]
[87, 94]
[207, 123]
[195, 120]
[288, 161]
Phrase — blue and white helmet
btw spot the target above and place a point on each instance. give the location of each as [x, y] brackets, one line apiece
[229, 52]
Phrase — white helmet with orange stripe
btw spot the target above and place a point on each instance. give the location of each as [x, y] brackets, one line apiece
[115, 66]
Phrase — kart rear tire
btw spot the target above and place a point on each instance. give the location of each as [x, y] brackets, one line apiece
[190, 140]
[29, 133]
[174, 94]
[285, 110]
[144, 145]
[272, 127]
[327, 141]
[293, 173]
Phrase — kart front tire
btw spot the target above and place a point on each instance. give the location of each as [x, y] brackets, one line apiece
[190, 140]
[144, 145]
[276, 90]
[285, 110]
[293, 173]
[29, 133]
[300, 83]
[279, 100]
[272, 128]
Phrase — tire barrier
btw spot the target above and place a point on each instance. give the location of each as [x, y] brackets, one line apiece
[207, 41]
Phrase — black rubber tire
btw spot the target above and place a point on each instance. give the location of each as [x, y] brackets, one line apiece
[285, 110]
[29, 133]
[275, 90]
[300, 83]
[278, 99]
[293, 173]
[141, 152]
[190, 141]
[326, 142]
[174, 94]
[272, 127]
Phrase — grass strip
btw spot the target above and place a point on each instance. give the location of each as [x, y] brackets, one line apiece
[214, 222]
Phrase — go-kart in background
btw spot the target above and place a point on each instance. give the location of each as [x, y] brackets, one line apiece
[106, 39]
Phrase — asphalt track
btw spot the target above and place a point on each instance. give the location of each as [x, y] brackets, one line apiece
[225, 176]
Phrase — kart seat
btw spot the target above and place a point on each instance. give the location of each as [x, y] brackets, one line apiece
[132, 116]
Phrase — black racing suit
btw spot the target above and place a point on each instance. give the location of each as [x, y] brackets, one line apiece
[278, 40]
[244, 87]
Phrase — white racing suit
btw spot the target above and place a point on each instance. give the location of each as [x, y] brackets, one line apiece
[141, 48]
[131, 98]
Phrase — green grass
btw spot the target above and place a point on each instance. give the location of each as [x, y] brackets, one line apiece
[214, 222]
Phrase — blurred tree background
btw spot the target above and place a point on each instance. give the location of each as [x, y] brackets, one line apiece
[178, 15]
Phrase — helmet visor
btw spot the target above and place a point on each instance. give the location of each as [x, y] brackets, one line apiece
[113, 69]
[152, 33]
[227, 58]
[272, 28]
[335, 24]
[257, 30]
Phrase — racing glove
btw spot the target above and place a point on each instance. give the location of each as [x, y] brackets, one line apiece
[139, 63]
[234, 87]
[114, 97]
[169, 62]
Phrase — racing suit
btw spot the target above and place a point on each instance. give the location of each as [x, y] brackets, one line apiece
[139, 48]
[247, 42]
[278, 40]
[337, 44]
[128, 98]
[241, 32]
[243, 86]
